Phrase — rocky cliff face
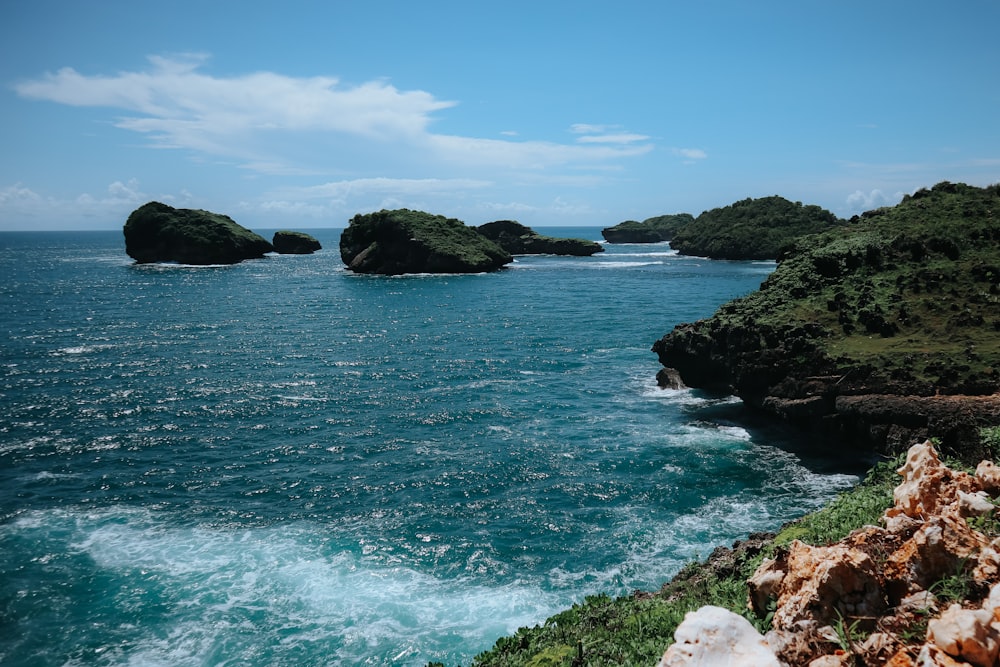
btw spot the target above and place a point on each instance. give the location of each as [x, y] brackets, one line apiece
[885, 331]
[156, 232]
[923, 588]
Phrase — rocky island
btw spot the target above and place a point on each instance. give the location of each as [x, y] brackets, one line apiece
[404, 241]
[287, 242]
[880, 332]
[156, 232]
[751, 228]
[518, 239]
[651, 230]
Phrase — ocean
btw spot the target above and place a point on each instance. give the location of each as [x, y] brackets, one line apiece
[282, 463]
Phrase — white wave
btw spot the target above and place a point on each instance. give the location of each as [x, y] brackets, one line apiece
[624, 265]
[276, 591]
[668, 253]
[79, 349]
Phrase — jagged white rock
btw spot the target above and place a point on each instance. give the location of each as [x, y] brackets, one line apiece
[716, 637]
[966, 634]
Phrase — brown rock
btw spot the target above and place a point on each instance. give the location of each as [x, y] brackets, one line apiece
[826, 584]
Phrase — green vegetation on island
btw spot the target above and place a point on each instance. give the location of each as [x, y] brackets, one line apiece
[651, 230]
[881, 330]
[404, 241]
[156, 232]
[751, 228]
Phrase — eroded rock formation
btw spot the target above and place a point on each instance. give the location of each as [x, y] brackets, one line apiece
[923, 589]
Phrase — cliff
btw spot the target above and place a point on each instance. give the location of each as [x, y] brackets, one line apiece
[751, 229]
[883, 331]
[518, 239]
[405, 241]
[155, 232]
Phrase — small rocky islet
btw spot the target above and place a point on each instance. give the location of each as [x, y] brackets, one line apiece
[287, 242]
[156, 232]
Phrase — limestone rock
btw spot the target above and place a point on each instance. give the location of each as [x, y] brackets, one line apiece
[713, 636]
[669, 378]
[822, 584]
[155, 232]
[288, 242]
[966, 634]
[939, 548]
[928, 539]
[405, 241]
[988, 474]
[931, 656]
[801, 643]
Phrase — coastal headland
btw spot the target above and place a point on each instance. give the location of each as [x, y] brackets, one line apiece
[881, 332]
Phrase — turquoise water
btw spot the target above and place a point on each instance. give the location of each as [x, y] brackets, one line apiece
[283, 463]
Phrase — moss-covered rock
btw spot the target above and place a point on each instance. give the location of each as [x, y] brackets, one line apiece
[155, 232]
[862, 330]
[288, 242]
[751, 229]
[651, 230]
[517, 239]
[405, 241]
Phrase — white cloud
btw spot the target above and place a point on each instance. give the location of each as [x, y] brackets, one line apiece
[690, 153]
[21, 207]
[17, 197]
[587, 128]
[365, 186]
[621, 138]
[859, 201]
[258, 117]
[180, 103]
[525, 154]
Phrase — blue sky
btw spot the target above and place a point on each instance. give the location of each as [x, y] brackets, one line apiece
[301, 114]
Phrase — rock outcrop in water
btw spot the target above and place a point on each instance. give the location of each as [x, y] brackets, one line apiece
[881, 332]
[288, 242]
[405, 241]
[651, 230]
[517, 239]
[921, 589]
[155, 232]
